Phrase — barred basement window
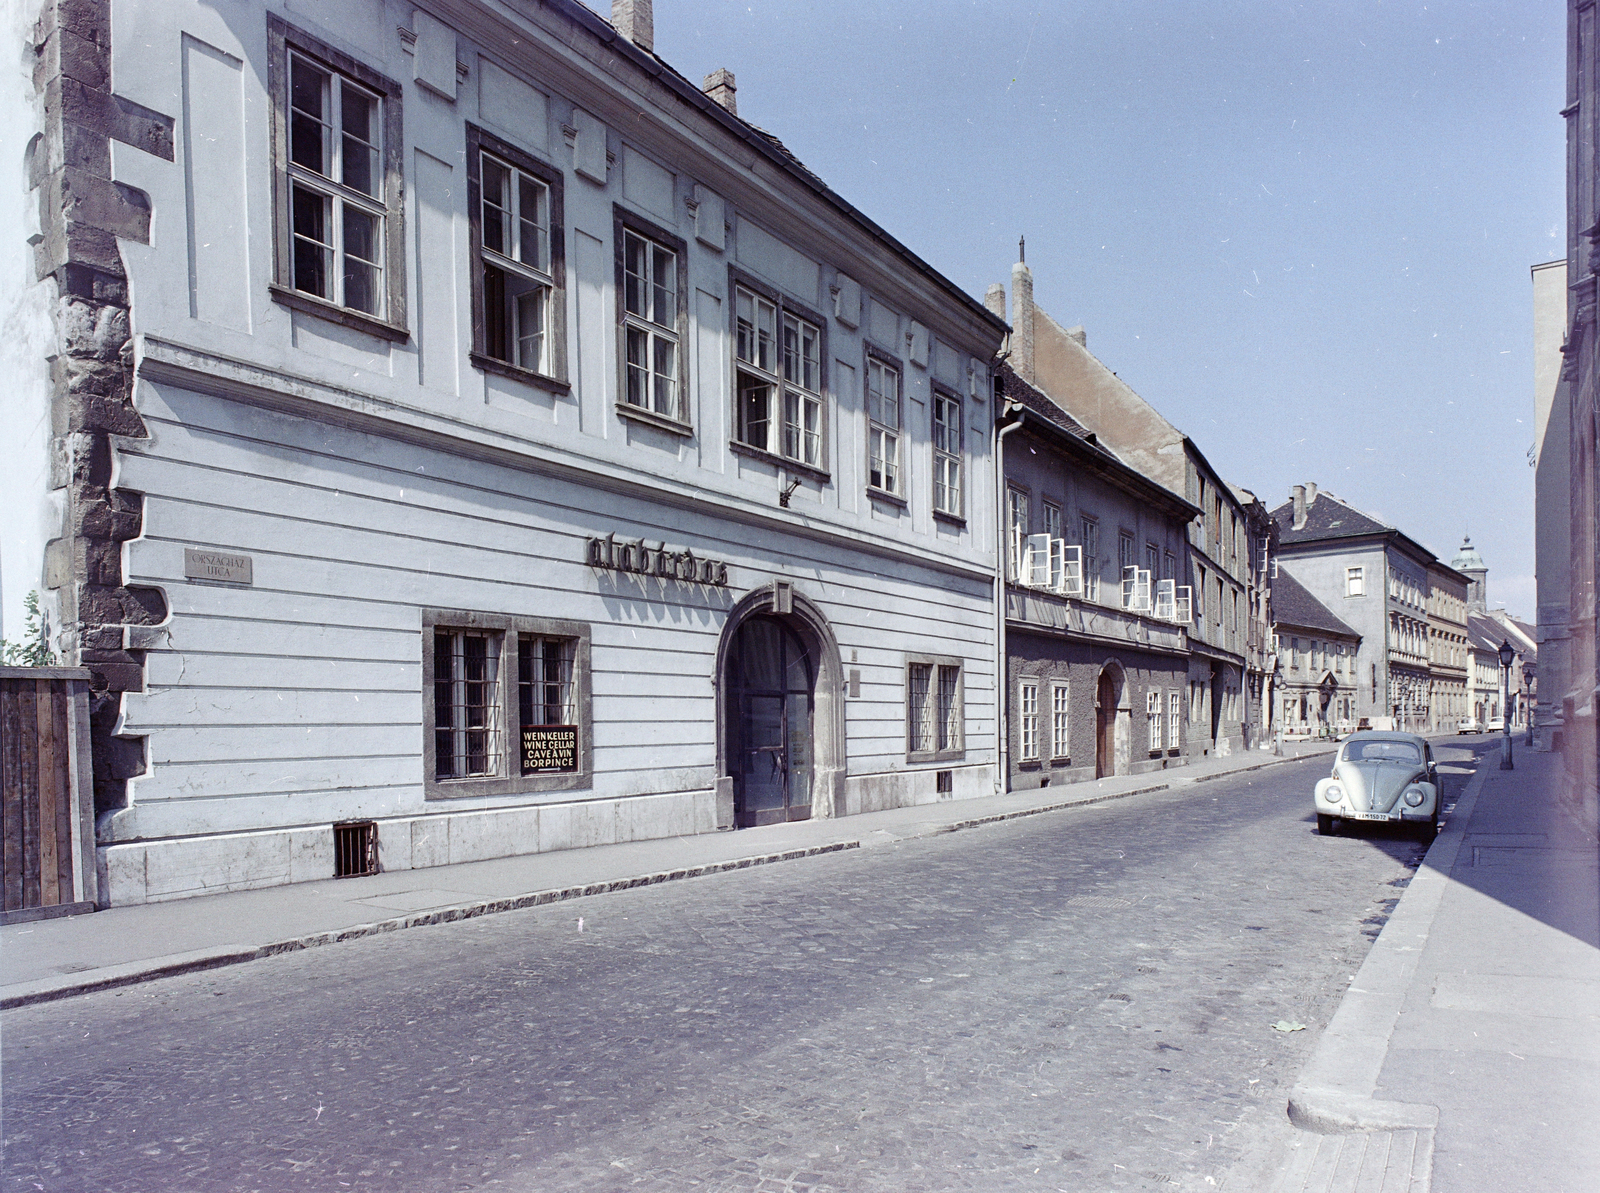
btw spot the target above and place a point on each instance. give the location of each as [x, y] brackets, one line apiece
[507, 699]
[934, 709]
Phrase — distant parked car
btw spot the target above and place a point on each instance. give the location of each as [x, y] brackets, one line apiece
[1381, 776]
[1496, 724]
[1468, 725]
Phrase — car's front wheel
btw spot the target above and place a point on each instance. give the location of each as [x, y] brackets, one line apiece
[1324, 824]
[1428, 830]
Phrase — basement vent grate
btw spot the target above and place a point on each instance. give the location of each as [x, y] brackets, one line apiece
[944, 781]
[355, 849]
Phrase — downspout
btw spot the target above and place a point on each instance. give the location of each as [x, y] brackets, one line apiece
[1002, 779]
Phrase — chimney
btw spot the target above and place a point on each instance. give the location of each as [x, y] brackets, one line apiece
[635, 20]
[995, 299]
[719, 85]
[1298, 495]
[1311, 494]
[1022, 318]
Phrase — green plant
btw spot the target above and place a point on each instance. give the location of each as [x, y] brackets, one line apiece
[34, 650]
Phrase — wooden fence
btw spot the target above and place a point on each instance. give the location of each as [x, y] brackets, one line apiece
[46, 793]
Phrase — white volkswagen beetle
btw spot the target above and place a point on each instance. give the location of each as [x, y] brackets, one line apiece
[1387, 777]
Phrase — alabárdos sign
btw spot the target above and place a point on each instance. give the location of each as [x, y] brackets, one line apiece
[641, 559]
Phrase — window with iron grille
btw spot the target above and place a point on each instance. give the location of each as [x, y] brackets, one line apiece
[338, 190]
[947, 454]
[934, 710]
[519, 262]
[1028, 720]
[507, 699]
[779, 377]
[1060, 739]
[883, 428]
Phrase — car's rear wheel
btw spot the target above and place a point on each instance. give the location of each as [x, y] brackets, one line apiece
[1324, 824]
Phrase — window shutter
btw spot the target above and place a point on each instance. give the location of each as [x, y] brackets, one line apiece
[1036, 564]
[1071, 569]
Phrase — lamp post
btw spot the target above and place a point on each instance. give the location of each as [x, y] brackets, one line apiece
[1528, 670]
[1507, 657]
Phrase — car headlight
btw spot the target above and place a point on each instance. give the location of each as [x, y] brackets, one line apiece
[1414, 796]
[1333, 793]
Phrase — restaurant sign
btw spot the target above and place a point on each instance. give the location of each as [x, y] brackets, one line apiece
[641, 559]
[549, 749]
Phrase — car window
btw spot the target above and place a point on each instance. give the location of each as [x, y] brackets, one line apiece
[1382, 751]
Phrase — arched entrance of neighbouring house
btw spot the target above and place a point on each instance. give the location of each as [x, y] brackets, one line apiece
[780, 712]
[1110, 738]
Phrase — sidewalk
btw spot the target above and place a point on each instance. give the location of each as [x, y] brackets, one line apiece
[1466, 1054]
[50, 959]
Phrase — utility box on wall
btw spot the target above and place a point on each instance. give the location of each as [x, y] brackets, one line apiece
[46, 793]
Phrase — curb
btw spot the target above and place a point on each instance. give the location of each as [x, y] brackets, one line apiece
[1334, 1092]
[1056, 807]
[1225, 774]
[50, 989]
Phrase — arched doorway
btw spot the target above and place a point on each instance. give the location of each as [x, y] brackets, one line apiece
[780, 712]
[771, 693]
[1111, 724]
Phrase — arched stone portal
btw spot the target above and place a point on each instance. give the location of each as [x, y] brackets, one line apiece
[1113, 722]
[778, 743]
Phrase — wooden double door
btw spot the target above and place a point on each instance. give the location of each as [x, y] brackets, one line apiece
[771, 685]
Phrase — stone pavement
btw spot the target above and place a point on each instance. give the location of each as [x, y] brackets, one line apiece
[1466, 1054]
[50, 959]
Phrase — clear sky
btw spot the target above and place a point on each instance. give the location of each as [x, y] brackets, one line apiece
[1303, 232]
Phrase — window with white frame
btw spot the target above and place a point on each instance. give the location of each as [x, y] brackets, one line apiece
[1355, 582]
[1060, 737]
[507, 699]
[947, 453]
[883, 427]
[1152, 712]
[1016, 531]
[780, 386]
[518, 303]
[1089, 539]
[1028, 720]
[651, 269]
[338, 192]
[1052, 527]
[934, 711]
[1174, 708]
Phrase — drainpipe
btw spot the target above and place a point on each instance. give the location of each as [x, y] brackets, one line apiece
[1002, 779]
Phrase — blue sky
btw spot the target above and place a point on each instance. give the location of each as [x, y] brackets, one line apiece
[1302, 232]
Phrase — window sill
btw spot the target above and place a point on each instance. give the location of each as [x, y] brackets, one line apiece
[501, 368]
[451, 789]
[891, 498]
[651, 419]
[370, 324]
[955, 520]
[1028, 764]
[916, 756]
[756, 453]
[1055, 762]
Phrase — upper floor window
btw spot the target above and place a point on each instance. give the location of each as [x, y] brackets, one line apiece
[338, 191]
[947, 451]
[780, 392]
[1355, 582]
[1089, 539]
[1052, 527]
[883, 427]
[651, 272]
[1016, 530]
[518, 308]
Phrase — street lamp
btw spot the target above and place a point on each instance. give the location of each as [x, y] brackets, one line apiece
[1528, 670]
[1507, 657]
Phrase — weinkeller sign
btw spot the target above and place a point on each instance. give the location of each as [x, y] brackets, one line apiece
[549, 749]
[641, 559]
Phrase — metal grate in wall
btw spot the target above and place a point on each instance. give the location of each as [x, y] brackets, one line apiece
[355, 849]
[944, 781]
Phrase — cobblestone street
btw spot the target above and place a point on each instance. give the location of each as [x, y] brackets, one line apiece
[1080, 1000]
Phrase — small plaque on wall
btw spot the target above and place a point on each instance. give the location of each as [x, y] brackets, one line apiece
[549, 749]
[223, 567]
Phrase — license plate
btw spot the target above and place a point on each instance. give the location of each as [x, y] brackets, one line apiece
[1368, 816]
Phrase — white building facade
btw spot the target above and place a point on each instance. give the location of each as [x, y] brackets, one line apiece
[528, 454]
